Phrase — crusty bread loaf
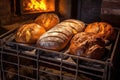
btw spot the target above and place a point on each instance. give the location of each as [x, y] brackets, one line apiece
[58, 37]
[29, 33]
[103, 29]
[47, 20]
[87, 45]
[76, 25]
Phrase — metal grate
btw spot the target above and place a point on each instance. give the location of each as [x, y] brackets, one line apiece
[4, 33]
[27, 62]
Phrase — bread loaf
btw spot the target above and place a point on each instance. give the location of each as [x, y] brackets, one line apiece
[103, 29]
[58, 37]
[87, 45]
[29, 33]
[47, 20]
[76, 25]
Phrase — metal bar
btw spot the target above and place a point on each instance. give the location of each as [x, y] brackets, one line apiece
[7, 33]
[109, 71]
[61, 77]
[52, 61]
[55, 52]
[115, 45]
[22, 56]
[9, 62]
[38, 56]
[49, 63]
[77, 67]
[18, 66]
[84, 72]
[3, 76]
[53, 73]
[18, 75]
[80, 65]
[91, 68]
[105, 72]
[0, 60]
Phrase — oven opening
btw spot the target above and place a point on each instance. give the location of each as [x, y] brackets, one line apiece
[34, 6]
[28, 8]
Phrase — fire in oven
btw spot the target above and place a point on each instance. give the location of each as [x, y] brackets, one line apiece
[55, 47]
[37, 6]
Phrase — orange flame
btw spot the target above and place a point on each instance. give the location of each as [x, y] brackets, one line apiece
[36, 5]
[39, 5]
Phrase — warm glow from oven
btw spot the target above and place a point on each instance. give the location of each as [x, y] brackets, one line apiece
[39, 5]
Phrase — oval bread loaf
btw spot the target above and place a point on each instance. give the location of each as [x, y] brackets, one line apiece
[58, 37]
[76, 25]
[103, 29]
[29, 33]
[47, 20]
[87, 45]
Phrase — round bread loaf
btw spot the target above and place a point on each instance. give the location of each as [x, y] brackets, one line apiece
[103, 29]
[87, 45]
[47, 20]
[29, 33]
[58, 37]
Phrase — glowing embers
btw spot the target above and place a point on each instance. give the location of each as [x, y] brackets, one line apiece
[38, 6]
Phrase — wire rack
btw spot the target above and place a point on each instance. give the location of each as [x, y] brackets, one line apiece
[27, 62]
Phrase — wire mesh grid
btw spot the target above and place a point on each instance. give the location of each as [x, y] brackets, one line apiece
[24, 62]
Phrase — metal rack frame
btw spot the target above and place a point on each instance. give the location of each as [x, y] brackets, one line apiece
[96, 69]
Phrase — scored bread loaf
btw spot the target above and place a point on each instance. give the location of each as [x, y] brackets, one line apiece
[58, 37]
[103, 29]
[47, 20]
[87, 45]
[29, 33]
[76, 25]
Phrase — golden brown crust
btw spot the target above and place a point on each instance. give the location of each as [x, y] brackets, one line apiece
[58, 37]
[29, 33]
[76, 25]
[47, 20]
[103, 29]
[87, 45]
